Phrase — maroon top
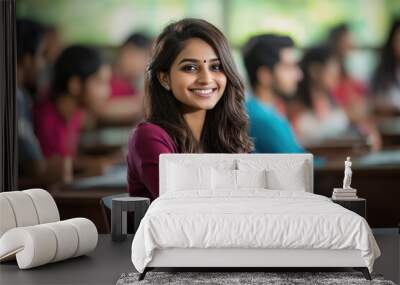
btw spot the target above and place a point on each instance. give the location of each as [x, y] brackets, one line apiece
[146, 144]
[56, 135]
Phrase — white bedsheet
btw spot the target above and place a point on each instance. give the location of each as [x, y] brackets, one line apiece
[252, 218]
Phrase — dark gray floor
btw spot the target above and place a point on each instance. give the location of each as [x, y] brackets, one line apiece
[389, 262]
[110, 260]
[103, 266]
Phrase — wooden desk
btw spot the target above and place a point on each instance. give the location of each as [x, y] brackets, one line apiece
[82, 198]
[375, 179]
[390, 131]
[73, 203]
[378, 185]
[331, 149]
[105, 141]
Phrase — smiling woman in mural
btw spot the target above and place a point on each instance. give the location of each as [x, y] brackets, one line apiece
[194, 101]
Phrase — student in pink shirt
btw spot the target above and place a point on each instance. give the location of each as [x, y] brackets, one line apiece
[125, 103]
[80, 86]
[195, 102]
[130, 66]
[350, 93]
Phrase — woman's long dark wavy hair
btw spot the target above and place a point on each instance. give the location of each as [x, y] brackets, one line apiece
[385, 74]
[226, 125]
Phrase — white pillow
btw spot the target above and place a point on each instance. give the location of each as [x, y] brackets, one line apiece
[284, 174]
[224, 179]
[182, 177]
[228, 179]
[279, 181]
[251, 178]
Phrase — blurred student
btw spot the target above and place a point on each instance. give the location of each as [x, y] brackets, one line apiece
[125, 103]
[29, 64]
[320, 117]
[52, 47]
[130, 66]
[195, 103]
[80, 86]
[386, 81]
[350, 93]
[273, 73]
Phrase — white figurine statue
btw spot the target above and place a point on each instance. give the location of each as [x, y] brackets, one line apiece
[347, 174]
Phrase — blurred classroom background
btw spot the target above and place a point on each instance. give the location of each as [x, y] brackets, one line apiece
[97, 50]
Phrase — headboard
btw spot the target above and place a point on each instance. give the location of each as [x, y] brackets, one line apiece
[286, 167]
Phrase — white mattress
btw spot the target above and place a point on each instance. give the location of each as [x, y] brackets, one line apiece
[252, 218]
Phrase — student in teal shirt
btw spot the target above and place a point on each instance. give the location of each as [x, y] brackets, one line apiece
[273, 73]
[270, 131]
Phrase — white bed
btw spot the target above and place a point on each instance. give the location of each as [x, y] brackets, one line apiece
[253, 210]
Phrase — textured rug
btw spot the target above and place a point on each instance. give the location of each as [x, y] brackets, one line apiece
[273, 278]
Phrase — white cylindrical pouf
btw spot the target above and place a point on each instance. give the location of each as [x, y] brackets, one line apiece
[45, 205]
[31, 232]
[87, 234]
[67, 239]
[23, 208]
[7, 218]
[34, 246]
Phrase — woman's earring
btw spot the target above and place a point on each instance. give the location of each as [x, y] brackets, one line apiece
[166, 86]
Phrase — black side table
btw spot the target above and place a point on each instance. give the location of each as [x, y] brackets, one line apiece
[122, 205]
[357, 205]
